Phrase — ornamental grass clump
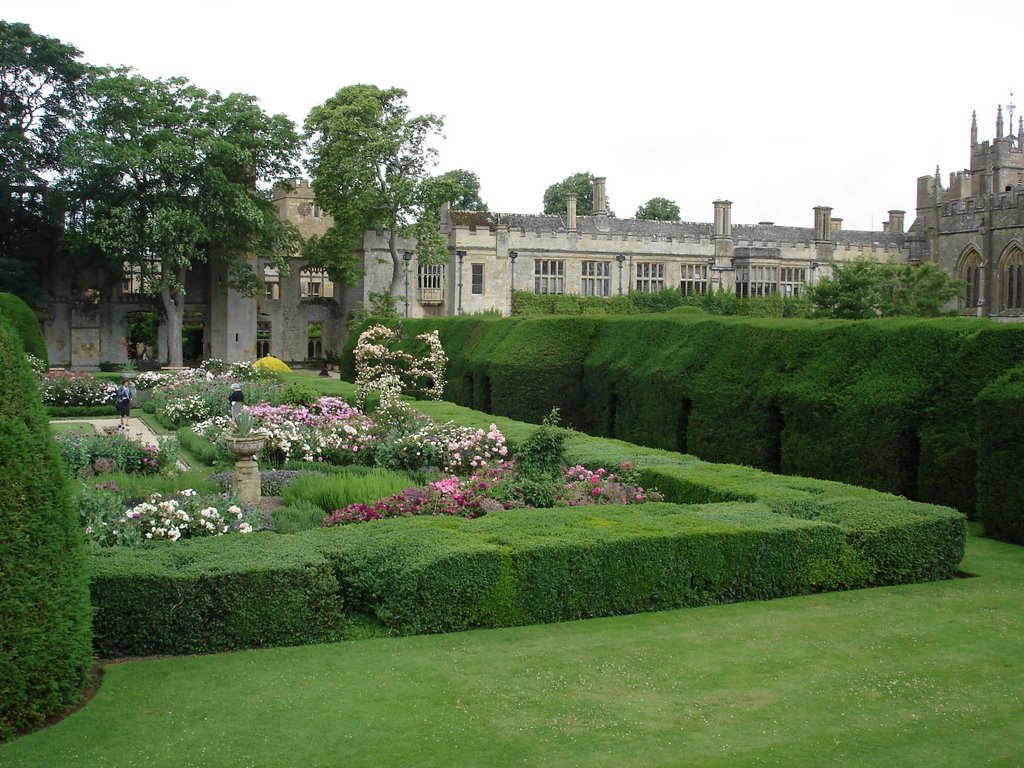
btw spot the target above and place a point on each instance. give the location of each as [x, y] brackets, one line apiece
[339, 490]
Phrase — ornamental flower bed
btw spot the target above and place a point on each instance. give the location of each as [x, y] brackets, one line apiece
[197, 395]
[493, 489]
[462, 497]
[85, 454]
[67, 389]
[449, 447]
[110, 520]
[328, 430]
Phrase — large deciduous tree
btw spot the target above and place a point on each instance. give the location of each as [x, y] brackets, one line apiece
[41, 92]
[368, 159]
[581, 183]
[865, 289]
[658, 209]
[167, 175]
[459, 188]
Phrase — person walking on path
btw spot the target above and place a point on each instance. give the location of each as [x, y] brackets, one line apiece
[236, 399]
[124, 401]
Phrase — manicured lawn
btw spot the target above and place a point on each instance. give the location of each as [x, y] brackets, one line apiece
[921, 675]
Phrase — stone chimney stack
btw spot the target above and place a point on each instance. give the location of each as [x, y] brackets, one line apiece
[570, 211]
[822, 224]
[600, 204]
[723, 218]
[600, 200]
[895, 223]
[837, 225]
[721, 237]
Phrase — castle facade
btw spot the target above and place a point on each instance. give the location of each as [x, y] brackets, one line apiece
[973, 230]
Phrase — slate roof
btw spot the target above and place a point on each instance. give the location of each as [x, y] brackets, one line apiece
[677, 230]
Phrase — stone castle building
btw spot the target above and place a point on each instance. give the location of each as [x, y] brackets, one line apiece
[974, 231]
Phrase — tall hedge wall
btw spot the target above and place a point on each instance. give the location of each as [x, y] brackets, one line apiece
[885, 404]
[45, 634]
[1001, 457]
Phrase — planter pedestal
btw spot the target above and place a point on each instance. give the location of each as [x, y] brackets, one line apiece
[245, 482]
[245, 479]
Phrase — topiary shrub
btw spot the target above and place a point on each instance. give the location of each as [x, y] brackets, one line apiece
[271, 363]
[45, 630]
[25, 324]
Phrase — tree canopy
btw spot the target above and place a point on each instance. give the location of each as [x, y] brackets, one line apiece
[581, 183]
[865, 289]
[460, 188]
[41, 92]
[369, 159]
[165, 175]
[658, 209]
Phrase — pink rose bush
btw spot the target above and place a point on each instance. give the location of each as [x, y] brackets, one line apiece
[449, 447]
[328, 430]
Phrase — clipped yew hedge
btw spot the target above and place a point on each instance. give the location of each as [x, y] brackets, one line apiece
[45, 637]
[1001, 457]
[886, 404]
[213, 594]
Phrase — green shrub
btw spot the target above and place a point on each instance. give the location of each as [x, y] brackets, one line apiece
[298, 393]
[746, 535]
[887, 404]
[532, 566]
[45, 635]
[297, 516]
[25, 325]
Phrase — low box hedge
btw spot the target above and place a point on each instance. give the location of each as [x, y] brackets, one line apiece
[213, 594]
[726, 533]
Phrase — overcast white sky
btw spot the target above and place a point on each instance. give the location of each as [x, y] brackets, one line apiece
[777, 106]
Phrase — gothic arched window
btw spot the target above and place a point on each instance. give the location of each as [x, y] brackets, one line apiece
[970, 273]
[1012, 279]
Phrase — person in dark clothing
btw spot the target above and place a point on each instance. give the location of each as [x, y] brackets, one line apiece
[236, 399]
[124, 401]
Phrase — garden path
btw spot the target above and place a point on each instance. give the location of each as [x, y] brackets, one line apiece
[137, 429]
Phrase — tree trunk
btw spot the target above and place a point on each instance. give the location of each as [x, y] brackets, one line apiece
[396, 270]
[396, 265]
[174, 311]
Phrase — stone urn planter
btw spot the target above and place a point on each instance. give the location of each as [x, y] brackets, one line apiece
[245, 446]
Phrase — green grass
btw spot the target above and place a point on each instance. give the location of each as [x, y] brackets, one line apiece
[66, 427]
[919, 675]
